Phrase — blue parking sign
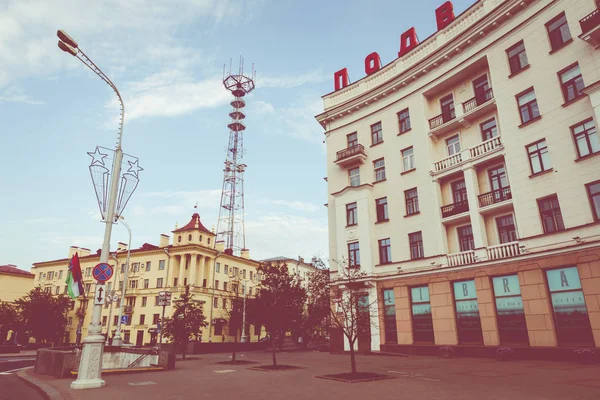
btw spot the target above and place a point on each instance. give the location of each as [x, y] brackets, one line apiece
[124, 319]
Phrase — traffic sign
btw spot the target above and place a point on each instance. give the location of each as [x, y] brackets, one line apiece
[115, 297]
[99, 296]
[124, 319]
[102, 272]
[164, 298]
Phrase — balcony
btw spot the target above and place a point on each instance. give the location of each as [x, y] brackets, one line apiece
[351, 156]
[128, 309]
[470, 154]
[478, 101]
[504, 250]
[80, 312]
[495, 196]
[462, 258]
[455, 209]
[497, 252]
[590, 28]
[441, 119]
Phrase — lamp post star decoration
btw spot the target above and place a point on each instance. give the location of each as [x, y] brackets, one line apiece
[113, 191]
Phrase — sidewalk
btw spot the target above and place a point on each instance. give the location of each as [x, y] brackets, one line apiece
[23, 353]
[419, 377]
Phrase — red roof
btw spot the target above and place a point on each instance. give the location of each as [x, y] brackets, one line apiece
[13, 270]
[194, 224]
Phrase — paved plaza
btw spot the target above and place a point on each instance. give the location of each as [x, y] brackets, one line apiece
[415, 377]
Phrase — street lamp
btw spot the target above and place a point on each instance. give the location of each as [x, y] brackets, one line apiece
[244, 281]
[90, 365]
[117, 339]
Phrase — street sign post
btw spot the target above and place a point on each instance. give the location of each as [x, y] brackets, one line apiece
[124, 319]
[102, 272]
[164, 299]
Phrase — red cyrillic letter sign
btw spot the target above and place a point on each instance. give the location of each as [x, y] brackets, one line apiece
[408, 41]
[372, 63]
[444, 15]
[340, 79]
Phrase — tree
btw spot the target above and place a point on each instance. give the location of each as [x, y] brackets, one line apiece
[350, 307]
[44, 315]
[186, 322]
[280, 301]
[316, 312]
[9, 320]
[234, 316]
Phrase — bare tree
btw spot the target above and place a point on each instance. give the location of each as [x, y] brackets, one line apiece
[350, 306]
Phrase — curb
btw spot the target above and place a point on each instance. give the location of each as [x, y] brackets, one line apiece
[44, 389]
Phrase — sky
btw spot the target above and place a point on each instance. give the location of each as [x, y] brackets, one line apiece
[166, 57]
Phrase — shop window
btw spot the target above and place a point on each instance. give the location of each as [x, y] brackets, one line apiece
[421, 315]
[509, 310]
[389, 316]
[568, 303]
[468, 323]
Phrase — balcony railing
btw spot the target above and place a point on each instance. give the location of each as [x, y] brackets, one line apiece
[495, 196]
[80, 312]
[476, 101]
[441, 119]
[504, 250]
[350, 151]
[590, 21]
[462, 258]
[481, 149]
[127, 309]
[455, 208]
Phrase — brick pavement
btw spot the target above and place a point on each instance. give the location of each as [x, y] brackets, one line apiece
[416, 377]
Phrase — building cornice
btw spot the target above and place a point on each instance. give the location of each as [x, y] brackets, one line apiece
[468, 29]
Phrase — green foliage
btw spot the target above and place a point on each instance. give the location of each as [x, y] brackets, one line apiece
[317, 311]
[187, 320]
[9, 320]
[43, 314]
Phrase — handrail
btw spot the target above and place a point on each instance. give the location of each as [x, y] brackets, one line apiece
[590, 21]
[495, 196]
[350, 151]
[455, 208]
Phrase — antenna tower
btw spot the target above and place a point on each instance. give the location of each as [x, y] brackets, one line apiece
[230, 228]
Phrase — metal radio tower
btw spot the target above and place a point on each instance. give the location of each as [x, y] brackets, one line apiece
[230, 228]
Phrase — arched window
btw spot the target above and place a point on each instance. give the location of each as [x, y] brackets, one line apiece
[179, 239]
[200, 237]
[189, 238]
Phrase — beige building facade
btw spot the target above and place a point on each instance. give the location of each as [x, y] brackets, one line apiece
[464, 180]
[191, 257]
[14, 283]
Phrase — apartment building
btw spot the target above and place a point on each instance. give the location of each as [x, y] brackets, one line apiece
[296, 267]
[464, 180]
[192, 258]
[14, 283]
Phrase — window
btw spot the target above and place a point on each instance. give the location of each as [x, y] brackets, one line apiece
[539, 158]
[216, 302]
[411, 198]
[207, 240]
[226, 269]
[404, 120]
[389, 317]
[558, 31]
[66, 290]
[571, 83]
[568, 303]
[224, 303]
[200, 238]
[465, 238]
[175, 282]
[224, 285]
[509, 310]
[133, 284]
[385, 251]
[517, 57]
[244, 274]
[528, 107]
[60, 274]
[115, 320]
[57, 290]
[144, 301]
[234, 288]
[354, 177]
[88, 271]
[593, 190]
[415, 241]
[586, 138]
[51, 275]
[120, 285]
[217, 285]
[148, 265]
[550, 213]
[468, 323]
[161, 265]
[251, 274]
[155, 319]
[421, 315]
[88, 287]
[489, 129]
[159, 282]
[352, 139]
[142, 319]
[506, 229]
[70, 321]
[453, 145]
[156, 300]
[179, 239]
[189, 238]
[146, 283]
[135, 267]
[376, 133]
[353, 255]
[218, 267]
[379, 166]
[382, 209]
[447, 105]
[408, 159]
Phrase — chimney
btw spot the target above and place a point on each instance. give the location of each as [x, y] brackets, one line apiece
[73, 250]
[84, 252]
[121, 246]
[164, 240]
[245, 253]
[220, 246]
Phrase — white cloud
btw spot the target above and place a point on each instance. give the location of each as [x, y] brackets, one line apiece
[296, 205]
[16, 95]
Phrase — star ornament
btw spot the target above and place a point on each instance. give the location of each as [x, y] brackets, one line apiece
[97, 157]
[134, 167]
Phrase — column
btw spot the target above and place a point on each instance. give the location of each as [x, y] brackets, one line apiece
[443, 313]
[443, 238]
[209, 269]
[182, 261]
[537, 307]
[477, 220]
[374, 317]
[487, 311]
[403, 315]
[192, 280]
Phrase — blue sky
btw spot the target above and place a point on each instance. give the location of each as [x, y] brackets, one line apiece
[166, 58]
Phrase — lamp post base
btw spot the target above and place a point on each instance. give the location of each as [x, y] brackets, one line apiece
[89, 375]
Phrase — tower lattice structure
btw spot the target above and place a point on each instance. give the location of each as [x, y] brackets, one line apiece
[230, 228]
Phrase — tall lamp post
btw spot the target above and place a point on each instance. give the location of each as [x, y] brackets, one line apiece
[244, 282]
[117, 339]
[90, 366]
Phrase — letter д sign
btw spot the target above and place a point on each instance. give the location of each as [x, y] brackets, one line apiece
[408, 41]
